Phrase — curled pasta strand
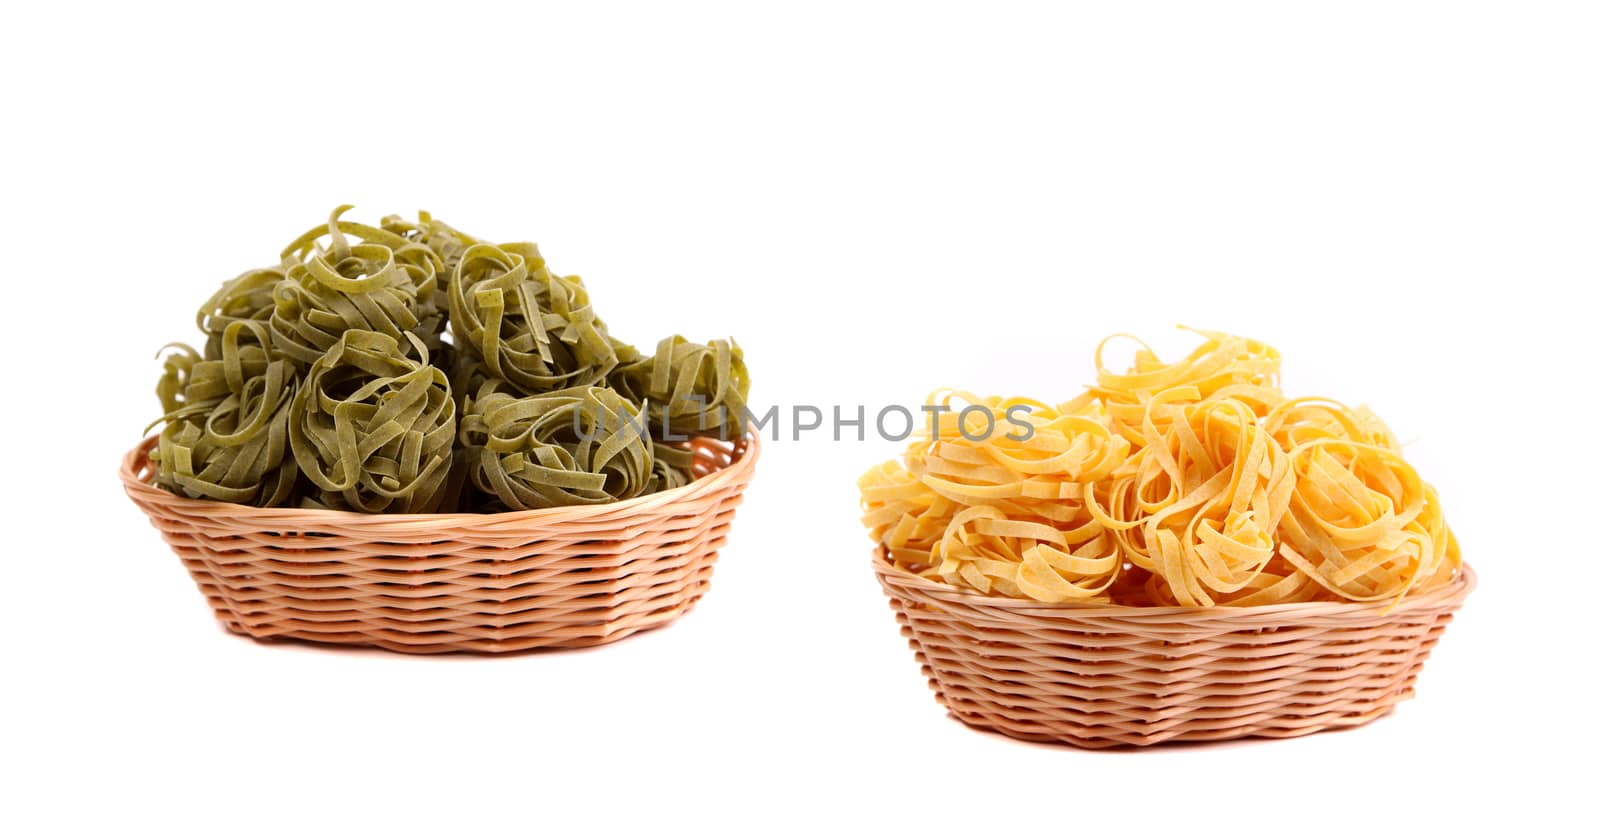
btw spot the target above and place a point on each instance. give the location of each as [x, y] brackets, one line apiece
[1299, 421]
[247, 296]
[372, 428]
[328, 381]
[528, 326]
[1216, 367]
[691, 388]
[1195, 484]
[384, 284]
[988, 551]
[991, 499]
[578, 446]
[224, 434]
[446, 242]
[1364, 525]
[1198, 507]
[904, 515]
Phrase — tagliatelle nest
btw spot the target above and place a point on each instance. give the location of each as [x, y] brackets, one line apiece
[373, 429]
[691, 388]
[226, 433]
[526, 325]
[1195, 483]
[447, 242]
[330, 380]
[244, 298]
[582, 445]
[385, 284]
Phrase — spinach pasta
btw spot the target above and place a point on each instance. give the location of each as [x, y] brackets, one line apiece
[410, 367]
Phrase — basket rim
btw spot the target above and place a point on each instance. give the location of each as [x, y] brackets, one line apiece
[744, 452]
[1446, 597]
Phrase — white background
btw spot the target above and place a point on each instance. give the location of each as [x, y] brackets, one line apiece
[875, 200]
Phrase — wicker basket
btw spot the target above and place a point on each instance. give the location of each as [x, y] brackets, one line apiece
[1099, 676]
[430, 583]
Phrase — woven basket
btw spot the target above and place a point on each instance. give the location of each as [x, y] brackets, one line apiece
[1099, 676]
[430, 583]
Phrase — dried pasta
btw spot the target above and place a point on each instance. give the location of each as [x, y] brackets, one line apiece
[577, 446]
[690, 388]
[525, 324]
[1195, 483]
[244, 298]
[410, 367]
[447, 242]
[386, 285]
[372, 428]
[225, 433]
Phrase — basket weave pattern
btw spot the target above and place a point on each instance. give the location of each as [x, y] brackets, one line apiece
[429, 583]
[1099, 676]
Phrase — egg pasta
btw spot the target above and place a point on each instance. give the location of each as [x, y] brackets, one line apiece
[1195, 483]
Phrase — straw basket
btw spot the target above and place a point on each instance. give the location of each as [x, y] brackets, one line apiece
[430, 583]
[1099, 676]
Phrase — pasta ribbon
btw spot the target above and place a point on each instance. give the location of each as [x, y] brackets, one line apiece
[904, 514]
[690, 388]
[247, 296]
[446, 242]
[996, 504]
[1221, 366]
[372, 428]
[1195, 483]
[576, 446]
[226, 423]
[1364, 524]
[528, 326]
[989, 551]
[1199, 505]
[386, 285]
[410, 368]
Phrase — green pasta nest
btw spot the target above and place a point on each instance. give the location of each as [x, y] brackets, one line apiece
[412, 368]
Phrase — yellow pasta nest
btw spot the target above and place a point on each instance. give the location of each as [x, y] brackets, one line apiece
[1195, 483]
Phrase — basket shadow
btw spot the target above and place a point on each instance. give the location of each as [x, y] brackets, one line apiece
[314, 646]
[1169, 745]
